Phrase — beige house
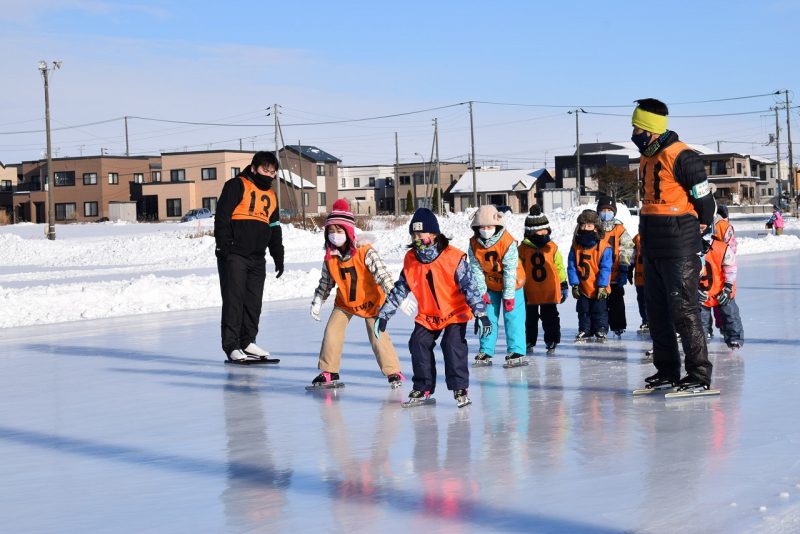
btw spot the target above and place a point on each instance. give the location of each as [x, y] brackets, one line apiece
[516, 188]
[424, 179]
[8, 184]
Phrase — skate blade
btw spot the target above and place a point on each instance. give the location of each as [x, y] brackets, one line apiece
[463, 403]
[687, 394]
[482, 364]
[396, 385]
[254, 362]
[510, 365]
[550, 352]
[331, 385]
[648, 391]
[415, 403]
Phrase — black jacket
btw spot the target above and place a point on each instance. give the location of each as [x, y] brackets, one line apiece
[665, 236]
[246, 237]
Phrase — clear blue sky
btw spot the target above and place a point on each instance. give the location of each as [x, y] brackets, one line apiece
[217, 62]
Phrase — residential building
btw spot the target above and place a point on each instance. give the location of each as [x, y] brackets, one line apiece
[320, 169]
[516, 188]
[567, 176]
[421, 179]
[368, 188]
[8, 184]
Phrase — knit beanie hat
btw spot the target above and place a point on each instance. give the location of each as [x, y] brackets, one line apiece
[606, 201]
[722, 210]
[341, 215]
[536, 220]
[591, 217]
[424, 221]
[487, 215]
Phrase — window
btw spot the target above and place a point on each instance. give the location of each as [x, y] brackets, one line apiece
[717, 167]
[305, 199]
[177, 175]
[208, 174]
[320, 170]
[405, 180]
[323, 199]
[588, 172]
[403, 204]
[138, 177]
[771, 173]
[763, 192]
[90, 178]
[418, 177]
[568, 172]
[210, 203]
[155, 176]
[113, 177]
[344, 183]
[90, 209]
[174, 207]
[372, 181]
[738, 168]
[356, 182]
[5, 185]
[65, 178]
[769, 191]
[65, 211]
[235, 172]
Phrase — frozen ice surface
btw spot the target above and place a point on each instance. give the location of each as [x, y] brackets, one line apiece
[135, 424]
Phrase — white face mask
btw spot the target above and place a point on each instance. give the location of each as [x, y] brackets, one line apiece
[337, 240]
[486, 233]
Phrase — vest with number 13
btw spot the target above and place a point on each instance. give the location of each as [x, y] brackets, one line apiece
[256, 204]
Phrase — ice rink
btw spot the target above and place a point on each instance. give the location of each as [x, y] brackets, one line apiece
[135, 424]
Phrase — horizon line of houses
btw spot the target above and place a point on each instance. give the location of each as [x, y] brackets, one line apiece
[165, 187]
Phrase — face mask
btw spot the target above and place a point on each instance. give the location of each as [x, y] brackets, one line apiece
[606, 215]
[486, 234]
[641, 140]
[337, 240]
[586, 238]
[539, 240]
[422, 244]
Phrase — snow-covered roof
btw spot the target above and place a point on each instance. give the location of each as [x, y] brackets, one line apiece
[627, 148]
[490, 180]
[291, 178]
[762, 160]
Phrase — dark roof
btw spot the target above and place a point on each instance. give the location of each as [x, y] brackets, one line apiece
[313, 153]
[599, 147]
[208, 152]
[106, 156]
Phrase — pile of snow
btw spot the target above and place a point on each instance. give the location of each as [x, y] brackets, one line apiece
[112, 269]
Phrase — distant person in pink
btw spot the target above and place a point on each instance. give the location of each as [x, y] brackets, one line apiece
[776, 221]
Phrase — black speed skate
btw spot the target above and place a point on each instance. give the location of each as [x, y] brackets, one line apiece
[601, 337]
[551, 347]
[644, 328]
[418, 398]
[655, 383]
[690, 386]
[581, 337]
[396, 380]
[461, 398]
[515, 360]
[325, 380]
[482, 360]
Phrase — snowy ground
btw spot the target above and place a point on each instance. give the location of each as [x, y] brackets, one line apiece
[134, 424]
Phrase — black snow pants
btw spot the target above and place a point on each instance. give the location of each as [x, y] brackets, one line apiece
[423, 361]
[241, 281]
[551, 323]
[671, 295]
[616, 308]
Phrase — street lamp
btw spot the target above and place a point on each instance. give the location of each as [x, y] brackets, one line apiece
[51, 207]
[423, 176]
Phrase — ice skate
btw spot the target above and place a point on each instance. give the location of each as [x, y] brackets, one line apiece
[461, 398]
[418, 398]
[238, 357]
[551, 348]
[482, 360]
[655, 383]
[601, 337]
[643, 328]
[619, 333]
[325, 380]
[396, 380]
[256, 354]
[581, 337]
[648, 356]
[734, 345]
[515, 360]
[529, 348]
[690, 386]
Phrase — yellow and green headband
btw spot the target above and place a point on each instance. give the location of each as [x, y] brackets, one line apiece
[650, 122]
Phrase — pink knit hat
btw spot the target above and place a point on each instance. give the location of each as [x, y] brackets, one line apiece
[341, 215]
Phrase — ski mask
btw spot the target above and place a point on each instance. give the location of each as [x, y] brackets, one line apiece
[539, 240]
[337, 240]
[486, 233]
[641, 140]
[606, 215]
[586, 238]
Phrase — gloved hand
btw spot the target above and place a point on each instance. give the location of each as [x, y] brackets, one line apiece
[279, 268]
[564, 292]
[602, 293]
[630, 276]
[622, 275]
[379, 326]
[409, 307]
[483, 326]
[221, 251]
[316, 306]
[576, 292]
[702, 296]
[707, 239]
[508, 305]
[486, 298]
[724, 296]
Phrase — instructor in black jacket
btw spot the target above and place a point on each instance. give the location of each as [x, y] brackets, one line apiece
[675, 220]
[246, 225]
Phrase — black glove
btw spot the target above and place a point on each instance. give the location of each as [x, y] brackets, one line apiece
[707, 238]
[276, 249]
[222, 250]
[483, 326]
[279, 268]
[379, 327]
[564, 292]
[724, 296]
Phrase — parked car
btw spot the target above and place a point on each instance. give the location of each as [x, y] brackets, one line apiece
[201, 213]
[504, 209]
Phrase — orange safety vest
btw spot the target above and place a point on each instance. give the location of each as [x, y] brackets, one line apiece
[638, 273]
[491, 260]
[613, 238]
[661, 192]
[357, 291]
[587, 261]
[256, 204]
[439, 299]
[712, 277]
[542, 285]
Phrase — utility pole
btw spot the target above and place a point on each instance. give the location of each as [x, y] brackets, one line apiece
[474, 177]
[438, 166]
[300, 172]
[396, 176]
[718, 146]
[778, 154]
[581, 190]
[789, 144]
[277, 153]
[127, 147]
[51, 205]
[240, 143]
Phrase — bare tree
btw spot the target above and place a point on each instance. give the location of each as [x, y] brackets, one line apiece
[617, 182]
